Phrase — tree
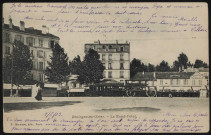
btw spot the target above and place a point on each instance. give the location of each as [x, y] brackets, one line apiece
[199, 63]
[163, 67]
[205, 65]
[151, 68]
[18, 65]
[75, 65]
[183, 60]
[58, 70]
[176, 66]
[91, 70]
[137, 66]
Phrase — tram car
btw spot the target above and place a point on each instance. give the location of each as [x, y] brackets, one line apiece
[136, 89]
[127, 89]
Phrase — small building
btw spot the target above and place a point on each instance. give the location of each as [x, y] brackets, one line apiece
[173, 80]
[75, 87]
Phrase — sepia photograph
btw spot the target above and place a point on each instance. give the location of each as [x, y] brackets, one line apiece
[127, 67]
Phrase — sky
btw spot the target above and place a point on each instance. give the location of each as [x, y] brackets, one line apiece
[148, 47]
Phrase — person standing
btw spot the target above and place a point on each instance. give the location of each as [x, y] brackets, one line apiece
[39, 93]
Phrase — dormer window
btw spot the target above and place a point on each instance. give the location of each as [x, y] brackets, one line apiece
[121, 48]
[103, 46]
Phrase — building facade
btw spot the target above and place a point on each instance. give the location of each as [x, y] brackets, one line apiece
[38, 41]
[115, 58]
[173, 80]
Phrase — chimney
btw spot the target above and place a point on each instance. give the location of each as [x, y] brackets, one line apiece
[98, 41]
[22, 25]
[117, 42]
[10, 22]
[154, 75]
[44, 29]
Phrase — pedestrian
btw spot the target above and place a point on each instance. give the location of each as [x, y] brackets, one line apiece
[39, 93]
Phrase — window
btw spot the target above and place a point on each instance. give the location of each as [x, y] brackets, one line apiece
[93, 47]
[40, 42]
[7, 51]
[7, 37]
[121, 56]
[109, 74]
[121, 48]
[19, 38]
[178, 82]
[104, 74]
[171, 82]
[121, 65]
[32, 53]
[41, 77]
[103, 46]
[40, 54]
[121, 74]
[103, 56]
[109, 66]
[110, 57]
[74, 85]
[161, 82]
[30, 41]
[51, 44]
[110, 46]
[34, 66]
[193, 82]
[41, 65]
[186, 82]
[104, 64]
[200, 82]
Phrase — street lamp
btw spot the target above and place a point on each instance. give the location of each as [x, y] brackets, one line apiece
[12, 72]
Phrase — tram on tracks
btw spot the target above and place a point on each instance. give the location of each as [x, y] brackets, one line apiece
[135, 89]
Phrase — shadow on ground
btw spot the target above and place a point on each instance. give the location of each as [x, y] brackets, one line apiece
[35, 105]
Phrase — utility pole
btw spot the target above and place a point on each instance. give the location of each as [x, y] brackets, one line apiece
[12, 72]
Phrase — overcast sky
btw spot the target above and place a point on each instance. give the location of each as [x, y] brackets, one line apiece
[148, 47]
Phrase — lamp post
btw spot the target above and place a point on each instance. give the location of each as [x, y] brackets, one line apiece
[12, 72]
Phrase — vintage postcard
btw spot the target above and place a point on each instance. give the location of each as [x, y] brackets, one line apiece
[105, 67]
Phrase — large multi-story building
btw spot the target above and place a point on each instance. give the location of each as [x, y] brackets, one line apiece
[115, 58]
[38, 41]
